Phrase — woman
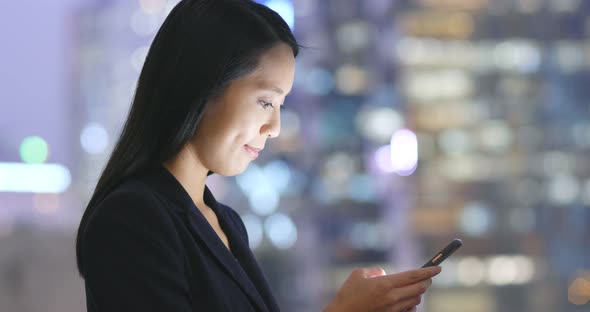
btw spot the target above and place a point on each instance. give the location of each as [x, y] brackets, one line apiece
[153, 237]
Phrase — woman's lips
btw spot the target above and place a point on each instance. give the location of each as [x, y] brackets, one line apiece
[253, 151]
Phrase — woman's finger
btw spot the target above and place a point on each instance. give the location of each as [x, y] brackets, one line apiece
[398, 295]
[407, 304]
[408, 277]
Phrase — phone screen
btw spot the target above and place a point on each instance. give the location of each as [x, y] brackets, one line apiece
[444, 253]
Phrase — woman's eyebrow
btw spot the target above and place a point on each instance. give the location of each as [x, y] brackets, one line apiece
[271, 87]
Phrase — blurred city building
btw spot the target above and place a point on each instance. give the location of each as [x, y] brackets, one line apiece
[410, 123]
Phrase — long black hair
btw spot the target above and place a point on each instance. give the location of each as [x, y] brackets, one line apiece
[202, 46]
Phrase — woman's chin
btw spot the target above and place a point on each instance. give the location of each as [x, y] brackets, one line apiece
[234, 171]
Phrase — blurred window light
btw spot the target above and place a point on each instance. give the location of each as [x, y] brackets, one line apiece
[428, 52]
[364, 235]
[448, 277]
[496, 136]
[497, 270]
[322, 191]
[255, 230]
[279, 173]
[362, 188]
[353, 36]
[502, 270]
[281, 230]
[450, 24]
[464, 300]
[570, 56]
[378, 123]
[319, 81]
[152, 6]
[251, 178]
[581, 133]
[523, 56]
[263, 195]
[563, 189]
[34, 178]
[556, 162]
[284, 8]
[516, 87]
[427, 145]
[528, 137]
[522, 220]
[529, 6]
[476, 219]
[383, 159]
[404, 152]
[455, 4]
[290, 126]
[438, 85]
[465, 168]
[578, 292]
[94, 138]
[564, 6]
[525, 269]
[471, 271]
[339, 168]
[264, 201]
[456, 142]
[34, 150]
[351, 79]
[586, 192]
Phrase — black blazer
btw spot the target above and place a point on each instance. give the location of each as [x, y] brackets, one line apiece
[148, 248]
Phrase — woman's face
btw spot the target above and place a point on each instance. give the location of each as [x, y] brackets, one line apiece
[238, 122]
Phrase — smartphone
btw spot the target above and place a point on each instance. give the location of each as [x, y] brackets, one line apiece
[444, 253]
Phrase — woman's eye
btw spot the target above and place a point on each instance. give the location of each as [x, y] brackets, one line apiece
[266, 104]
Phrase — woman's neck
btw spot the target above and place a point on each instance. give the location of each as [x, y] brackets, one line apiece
[190, 172]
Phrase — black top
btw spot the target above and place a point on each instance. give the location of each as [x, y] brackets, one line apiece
[147, 247]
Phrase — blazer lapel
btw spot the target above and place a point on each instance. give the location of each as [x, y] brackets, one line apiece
[166, 184]
[248, 262]
[203, 232]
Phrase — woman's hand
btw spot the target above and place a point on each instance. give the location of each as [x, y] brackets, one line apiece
[372, 290]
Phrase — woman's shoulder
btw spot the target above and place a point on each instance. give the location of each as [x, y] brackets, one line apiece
[129, 223]
[131, 202]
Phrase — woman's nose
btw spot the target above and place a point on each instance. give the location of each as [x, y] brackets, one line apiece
[272, 128]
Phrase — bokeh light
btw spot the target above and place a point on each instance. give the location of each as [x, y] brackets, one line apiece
[34, 150]
[34, 178]
[404, 152]
[383, 159]
[94, 138]
[471, 271]
[255, 230]
[319, 81]
[351, 79]
[476, 219]
[281, 230]
[264, 200]
[378, 123]
[579, 290]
